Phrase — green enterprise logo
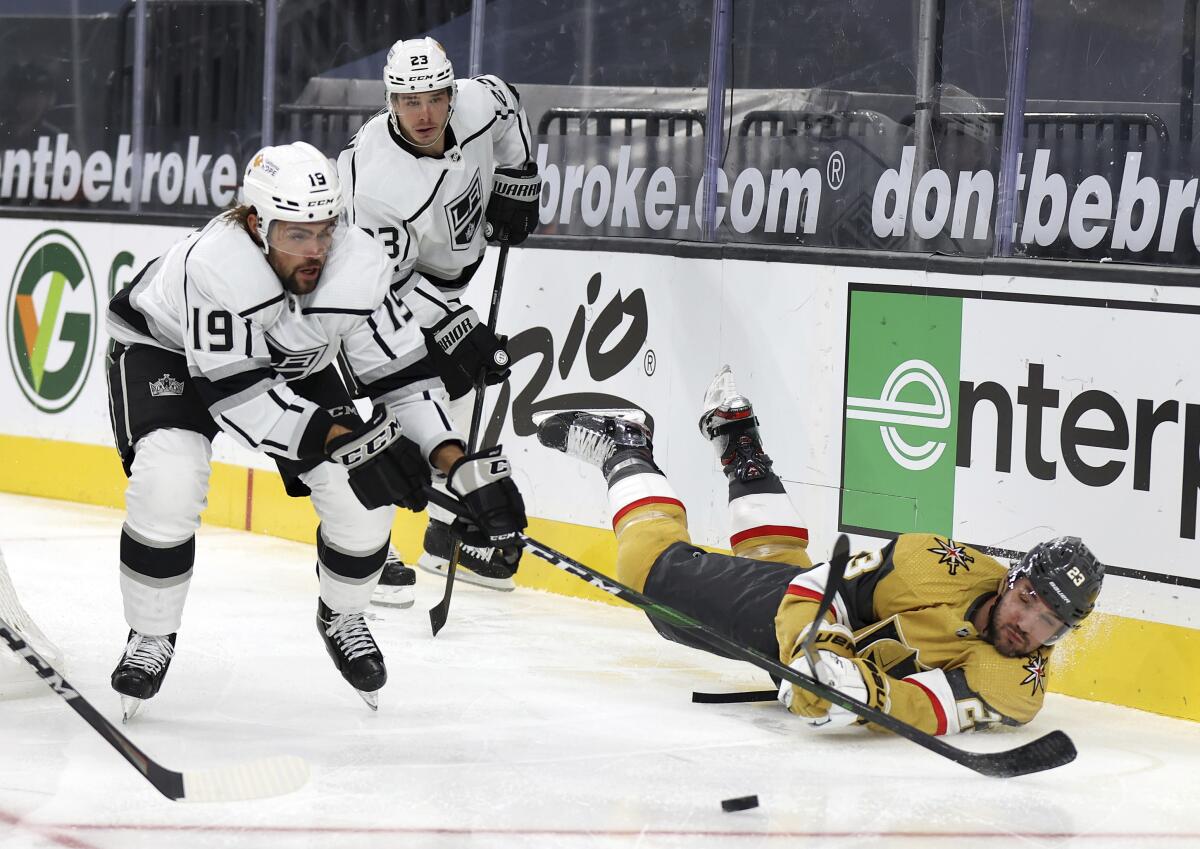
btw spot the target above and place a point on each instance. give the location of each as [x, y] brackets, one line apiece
[902, 375]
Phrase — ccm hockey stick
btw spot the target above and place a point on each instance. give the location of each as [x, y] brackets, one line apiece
[1046, 752]
[253, 780]
[441, 610]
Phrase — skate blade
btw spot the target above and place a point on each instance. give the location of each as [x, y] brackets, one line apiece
[628, 414]
[129, 708]
[372, 699]
[389, 596]
[438, 566]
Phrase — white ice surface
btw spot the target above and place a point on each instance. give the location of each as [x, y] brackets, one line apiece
[533, 720]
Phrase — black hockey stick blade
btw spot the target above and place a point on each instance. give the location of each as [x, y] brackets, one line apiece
[733, 698]
[440, 612]
[833, 585]
[1046, 752]
[252, 780]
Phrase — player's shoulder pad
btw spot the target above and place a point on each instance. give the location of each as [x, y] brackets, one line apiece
[356, 276]
[939, 559]
[486, 97]
[227, 268]
[373, 169]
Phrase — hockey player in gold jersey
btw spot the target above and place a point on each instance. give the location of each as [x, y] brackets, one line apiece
[929, 630]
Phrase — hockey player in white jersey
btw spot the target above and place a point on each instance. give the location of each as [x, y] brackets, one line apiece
[235, 329]
[444, 167]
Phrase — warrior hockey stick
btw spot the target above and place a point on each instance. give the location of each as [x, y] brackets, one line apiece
[1046, 752]
[441, 610]
[253, 780]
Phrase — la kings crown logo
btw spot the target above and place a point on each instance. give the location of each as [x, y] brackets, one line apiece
[464, 215]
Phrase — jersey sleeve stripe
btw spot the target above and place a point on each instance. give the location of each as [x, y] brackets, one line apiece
[395, 366]
[938, 712]
[249, 441]
[379, 339]
[334, 311]
[269, 302]
[804, 592]
[219, 401]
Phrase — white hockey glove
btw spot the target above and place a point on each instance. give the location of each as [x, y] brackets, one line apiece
[839, 668]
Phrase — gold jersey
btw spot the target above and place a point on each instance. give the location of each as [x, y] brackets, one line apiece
[910, 608]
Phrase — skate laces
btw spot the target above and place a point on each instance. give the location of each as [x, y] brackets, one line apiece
[148, 653]
[589, 445]
[351, 633]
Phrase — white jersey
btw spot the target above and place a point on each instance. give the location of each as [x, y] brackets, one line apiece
[213, 298]
[392, 189]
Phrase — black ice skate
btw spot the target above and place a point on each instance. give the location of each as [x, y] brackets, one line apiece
[354, 652]
[613, 440]
[397, 583]
[141, 670]
[484, 567]
[729, 423]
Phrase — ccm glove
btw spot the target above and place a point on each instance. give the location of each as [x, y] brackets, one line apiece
[460, 346]
[385, 467]
[484, 483]
[512, 210]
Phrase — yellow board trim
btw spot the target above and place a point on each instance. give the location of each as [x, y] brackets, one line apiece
[1114, 659]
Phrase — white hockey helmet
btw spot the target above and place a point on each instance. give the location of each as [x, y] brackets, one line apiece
[291, 182]
[417, 65]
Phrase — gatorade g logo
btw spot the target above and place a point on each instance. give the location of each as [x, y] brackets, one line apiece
[902, 379]
[890, 411]
[52, 321]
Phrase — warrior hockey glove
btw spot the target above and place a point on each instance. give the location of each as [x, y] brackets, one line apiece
[460, 347]
[484, 483]
[385, 467]
[512, 210]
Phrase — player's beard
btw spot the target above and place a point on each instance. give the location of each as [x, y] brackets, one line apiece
[294, 284]
[991, 635]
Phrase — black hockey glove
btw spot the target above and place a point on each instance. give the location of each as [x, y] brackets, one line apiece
[460, 346]
[484, 483]
[512, 210]
[385, 467]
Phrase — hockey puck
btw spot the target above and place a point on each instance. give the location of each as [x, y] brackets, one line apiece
[741, 803]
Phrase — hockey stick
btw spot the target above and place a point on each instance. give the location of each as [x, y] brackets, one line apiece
[252, 780]
[1046, 752]
[440, 611]
[833, 583]
[837, 568]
